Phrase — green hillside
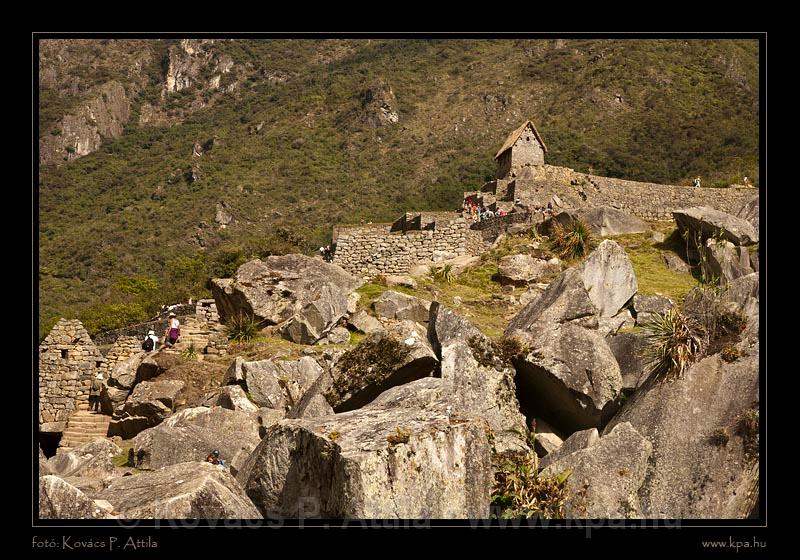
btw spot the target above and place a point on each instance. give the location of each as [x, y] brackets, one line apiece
[126, 227]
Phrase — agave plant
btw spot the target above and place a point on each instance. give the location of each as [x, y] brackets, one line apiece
[443, 273]
[572, 241]
[242, 327]
[674, 341]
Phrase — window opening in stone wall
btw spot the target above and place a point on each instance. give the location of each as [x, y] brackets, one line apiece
[65, 354]
[98, 364]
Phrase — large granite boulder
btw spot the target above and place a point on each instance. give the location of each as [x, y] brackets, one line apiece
[520, 270]
[275, 289]
[725, 261]
[629, 350]
[43, 468]
[607, 222]
[606, 475]
[147, 406]
[313, 402]
[190, 490]
[316, 318]
[91, 460]
[406, 455]
[750, 212]
[59, 499]
[708, 222]
[191, 434]
[366, 323]
[233, 397]
[574, 443]
[646, 307]
[123, 374]
[568, 377]
[379, 362]
[704, 432]
[609, 278]
[394, 305]
[480, 379]
[280, 384]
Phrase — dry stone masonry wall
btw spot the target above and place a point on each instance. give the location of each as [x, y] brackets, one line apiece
[68, 359]
[375, 249]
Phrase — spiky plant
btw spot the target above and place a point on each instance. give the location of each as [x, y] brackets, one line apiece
[572, 241]
[443, 273]
[190, 353]
[242, 327]
[520, 491]
[674, 341]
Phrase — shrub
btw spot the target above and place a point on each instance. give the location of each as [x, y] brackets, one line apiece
[242, 327]
[190, 353]
[722, 321]
[674, 341]
[572, 241]
[520, 491]
[399, 436]
[443, 273]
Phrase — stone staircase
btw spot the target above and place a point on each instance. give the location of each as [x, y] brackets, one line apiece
[194, 332]
[84, 426]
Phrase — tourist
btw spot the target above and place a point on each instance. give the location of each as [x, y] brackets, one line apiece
[173, 332]
[746, 181]
[150, 341]
[214, 459]
[697, 182]
[94, 392]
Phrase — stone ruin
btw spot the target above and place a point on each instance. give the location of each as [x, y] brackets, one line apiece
[68, 359]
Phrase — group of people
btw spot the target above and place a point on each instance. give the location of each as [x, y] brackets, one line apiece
[479, 213]
[326, 252]
[172, 335]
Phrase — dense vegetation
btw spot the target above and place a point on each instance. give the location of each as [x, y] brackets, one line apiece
[126, 228]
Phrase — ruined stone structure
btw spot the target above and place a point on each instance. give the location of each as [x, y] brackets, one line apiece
[524, 184]
[393, 248]
[68, 359]
[122, 349]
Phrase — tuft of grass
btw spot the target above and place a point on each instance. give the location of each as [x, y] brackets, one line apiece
[570, 242]
[443, 273]
[497, 353]
[242, 327]
[190, 353]
[520, 491]
[674, 342]
[399, 436]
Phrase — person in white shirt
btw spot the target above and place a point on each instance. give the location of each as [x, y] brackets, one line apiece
[150, 341]
[173, 332]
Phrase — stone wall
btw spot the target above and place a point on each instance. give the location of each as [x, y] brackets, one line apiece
[122, 349]
[374, 249]
[491, 228]
[68, 359]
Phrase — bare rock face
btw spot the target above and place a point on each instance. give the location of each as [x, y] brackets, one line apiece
[708, 223]
[394, 305]
[606, 221]
[83, 132]
[750, 212]
[280, 384]
[574, 443]
[606, 475]
[310, 291]
[149, 404]
[233, 397]
[313, 403]
[520, 270]
[609, 278]
[183, 491]
[193, 433]
[366, 323]
[90, 460]
[725, 261]
[647, 306]
[60, 500]
[379, 362]
[704, 433]
[480, 382]
[675, 263]
[629, 350]
[569, 377]
[403, 456]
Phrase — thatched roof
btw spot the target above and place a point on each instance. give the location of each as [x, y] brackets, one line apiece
[514, 136]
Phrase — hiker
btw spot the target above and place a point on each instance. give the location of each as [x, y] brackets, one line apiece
[746, 181]
[214, 459]
[94, 392]
[150, 341]
[173, 332]
[697, 182]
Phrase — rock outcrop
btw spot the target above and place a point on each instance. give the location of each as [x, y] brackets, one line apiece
[521, 270]
[148, 405]
[724, 261]
[90, 460]
[394, 305]
[607, 222]
[279, 384]
[750, 211]
[379, 362]
[310, 291]
[480, 380]
[183, 491]
[59, 499]
[403, 456]
[704, 433]
[710, 223]
[606, 475]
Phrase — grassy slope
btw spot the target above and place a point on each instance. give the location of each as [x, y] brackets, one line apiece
[689, 108]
